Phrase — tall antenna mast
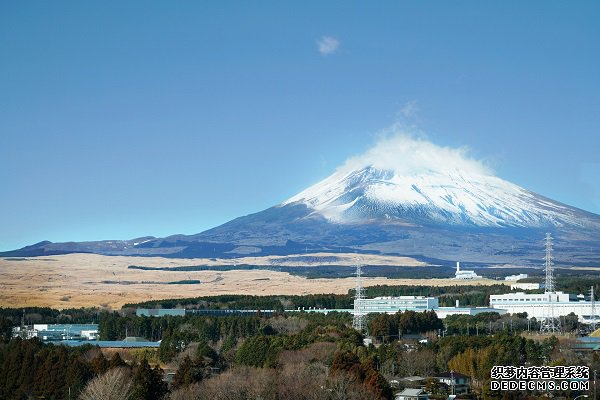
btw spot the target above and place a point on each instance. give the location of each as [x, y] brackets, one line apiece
[358, 319]
[550, 323]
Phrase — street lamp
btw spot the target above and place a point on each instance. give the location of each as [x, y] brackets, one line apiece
[583, 395]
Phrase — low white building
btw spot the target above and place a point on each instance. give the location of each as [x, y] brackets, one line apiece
[392, 305]
[465, 275]
[539, 305]
[525, 286]
[89, 334]
[23, 332]
[516, 277]
[412, 394]
[52, 332]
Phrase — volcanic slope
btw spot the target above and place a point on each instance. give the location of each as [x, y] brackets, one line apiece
[403, 197]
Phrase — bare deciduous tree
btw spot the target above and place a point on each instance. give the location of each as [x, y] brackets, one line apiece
[288, 325]
[320, 351]
[191, 392]
[343, 386]
[236, 384]
[425, 362]
[302, 382]
[114, 384]
[408, 362]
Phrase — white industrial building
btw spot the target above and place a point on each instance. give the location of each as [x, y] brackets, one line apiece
[539, 305]
[392, 305]
[526, 286]
[51, 332]
[516, 277]
[465, 275]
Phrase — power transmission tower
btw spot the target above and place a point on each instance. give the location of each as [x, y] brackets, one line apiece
[550, 323]
[593, 317]
[358, 320]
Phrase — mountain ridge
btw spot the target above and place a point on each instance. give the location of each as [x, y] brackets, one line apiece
[432, 204]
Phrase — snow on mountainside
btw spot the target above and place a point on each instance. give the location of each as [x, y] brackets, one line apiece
[415, 187]
[454, 197]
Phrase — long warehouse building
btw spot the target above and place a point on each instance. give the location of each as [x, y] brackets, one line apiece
[391, 305]
[539, 305]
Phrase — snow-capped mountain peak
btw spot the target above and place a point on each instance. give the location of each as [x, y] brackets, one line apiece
[407, 180]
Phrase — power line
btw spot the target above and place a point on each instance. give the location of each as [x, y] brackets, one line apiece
[593, 301]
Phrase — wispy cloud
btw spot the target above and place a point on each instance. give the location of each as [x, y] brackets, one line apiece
[409, 154]
[409, 109]
[328, 45]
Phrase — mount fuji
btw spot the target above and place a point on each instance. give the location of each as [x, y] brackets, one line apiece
[404, 197]
[453, 198]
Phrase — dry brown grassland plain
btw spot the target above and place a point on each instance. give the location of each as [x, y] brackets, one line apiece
[89, 280]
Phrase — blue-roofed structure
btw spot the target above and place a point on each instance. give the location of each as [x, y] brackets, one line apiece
[587, 343]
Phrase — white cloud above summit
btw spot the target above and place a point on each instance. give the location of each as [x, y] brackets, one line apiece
[408, 156]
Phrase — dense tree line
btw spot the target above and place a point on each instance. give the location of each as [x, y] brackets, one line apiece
[579, 284]
[490, 323]
[47, 315]
[246, 302]
[473, 295]
[386, 327]
[258, 340]
[176, 332]
[30, 369]
[115, 326]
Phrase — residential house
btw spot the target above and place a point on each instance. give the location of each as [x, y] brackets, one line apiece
[412, 394]
[457, 383]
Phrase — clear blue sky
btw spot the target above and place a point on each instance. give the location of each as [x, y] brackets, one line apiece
[127, 118]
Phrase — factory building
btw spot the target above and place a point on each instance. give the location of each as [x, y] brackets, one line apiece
[392, 305]
[525, 298]
[526, 286]
[538, 305]
[465, 275]
[52, 332]
[516, 277]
